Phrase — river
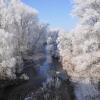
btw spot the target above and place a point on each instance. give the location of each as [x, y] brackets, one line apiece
[23, 91]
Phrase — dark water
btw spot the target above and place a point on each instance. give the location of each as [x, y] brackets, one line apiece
[43, 71]
[45, 67]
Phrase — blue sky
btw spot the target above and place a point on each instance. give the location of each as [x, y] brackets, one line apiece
[54, 12]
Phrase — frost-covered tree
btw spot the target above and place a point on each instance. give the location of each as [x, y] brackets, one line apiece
[64, 45]
[52, 42]
[40, 38]
[81, 51]
[21, 20]
[7, 59]
[20, 31]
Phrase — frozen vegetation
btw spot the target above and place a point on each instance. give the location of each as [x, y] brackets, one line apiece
[80, 51]
[25, 42]
[20, 31]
